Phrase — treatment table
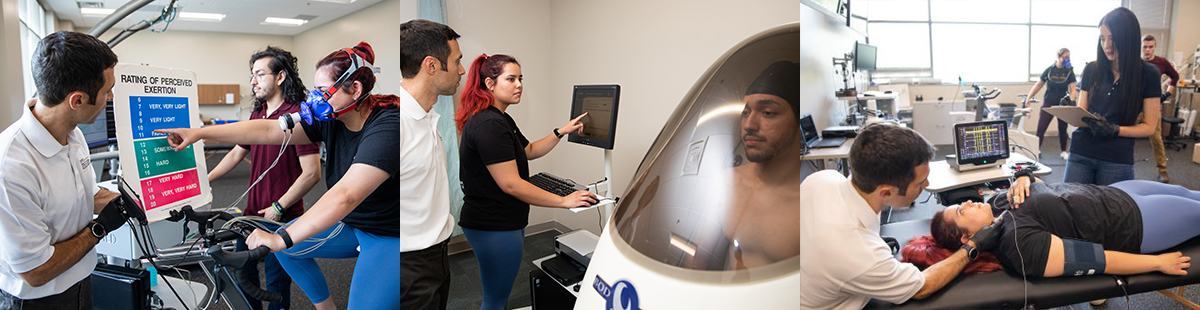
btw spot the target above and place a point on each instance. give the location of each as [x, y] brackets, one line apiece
[1004, 290]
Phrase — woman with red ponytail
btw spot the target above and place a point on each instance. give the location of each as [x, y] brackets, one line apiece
[357, 217]
[495, 168]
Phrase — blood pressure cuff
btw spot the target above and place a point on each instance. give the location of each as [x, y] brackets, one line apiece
[1082, 258]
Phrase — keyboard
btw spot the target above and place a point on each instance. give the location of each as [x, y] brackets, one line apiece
[828, 142]
[554, 184]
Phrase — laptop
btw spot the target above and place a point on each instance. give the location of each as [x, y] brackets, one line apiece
[809, 129]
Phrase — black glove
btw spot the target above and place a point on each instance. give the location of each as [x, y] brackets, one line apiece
[1165, 95]
[988, 238]
[111, 217]
[1066, 101]
[1102, 128]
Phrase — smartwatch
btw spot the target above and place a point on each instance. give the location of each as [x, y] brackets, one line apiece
[98, 230]
[972, 252]
[556, 134]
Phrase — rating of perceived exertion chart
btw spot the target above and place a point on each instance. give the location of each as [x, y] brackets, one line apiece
[166, 175]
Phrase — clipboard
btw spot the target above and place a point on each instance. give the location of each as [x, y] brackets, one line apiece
[1073, 115]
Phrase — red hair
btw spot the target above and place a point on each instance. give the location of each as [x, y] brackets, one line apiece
[339, 62]
[923, 252]
[475, 96]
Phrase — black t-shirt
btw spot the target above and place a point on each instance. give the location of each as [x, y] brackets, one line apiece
[1057, 79]
[1092, 213]
[1107, 104]
[491, 137]
[375, 145]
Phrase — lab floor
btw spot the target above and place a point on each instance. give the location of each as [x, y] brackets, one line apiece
[1182, 171]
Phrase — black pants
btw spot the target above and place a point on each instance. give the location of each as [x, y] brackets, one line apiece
[79, 296]
[1043, 124]
[425, 277]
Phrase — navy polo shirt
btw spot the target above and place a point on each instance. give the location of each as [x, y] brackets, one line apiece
[1104, 101]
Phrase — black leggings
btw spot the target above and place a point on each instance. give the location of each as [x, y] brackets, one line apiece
[1044, 122]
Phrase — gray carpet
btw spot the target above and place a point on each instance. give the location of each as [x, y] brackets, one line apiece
[1182, 171]
[465, 288]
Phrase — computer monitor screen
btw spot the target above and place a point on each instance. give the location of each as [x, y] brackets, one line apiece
[96, 133]
[808, 128]
[600, 103]
[864, 57]
[981, 143]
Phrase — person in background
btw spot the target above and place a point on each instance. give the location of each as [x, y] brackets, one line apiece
[1059, 80]
[1164, 67]
[279, 196]
[1117, 87]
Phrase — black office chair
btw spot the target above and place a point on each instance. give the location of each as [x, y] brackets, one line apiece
[1171, 141]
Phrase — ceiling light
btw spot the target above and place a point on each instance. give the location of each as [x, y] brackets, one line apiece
[96, 11]
[337, 1]
[291, 22]
[203, 17]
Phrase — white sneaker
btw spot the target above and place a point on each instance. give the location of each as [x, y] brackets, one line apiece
[1064, 155]
[1098, 302]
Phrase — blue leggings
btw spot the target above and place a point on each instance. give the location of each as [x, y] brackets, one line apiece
[375, 284]
[1170, 213]
[499, 256]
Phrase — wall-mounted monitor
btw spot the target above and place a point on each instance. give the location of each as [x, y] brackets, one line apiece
[864, 57]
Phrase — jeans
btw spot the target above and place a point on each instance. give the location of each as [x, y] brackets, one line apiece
[499, 257]
[375, 283]
[278, 280]
[1169, 213]
[1086, 170]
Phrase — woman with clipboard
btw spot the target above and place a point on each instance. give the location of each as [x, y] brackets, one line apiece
[1117, 87]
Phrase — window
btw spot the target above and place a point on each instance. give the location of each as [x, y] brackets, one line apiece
[979, 11]
[979, 40]
[1082, 12]
[895, 10]
[36, 23]
[1046, 40]
[980, 52]
[901, 45]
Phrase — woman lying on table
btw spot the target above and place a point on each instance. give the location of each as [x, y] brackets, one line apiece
[1070, 229]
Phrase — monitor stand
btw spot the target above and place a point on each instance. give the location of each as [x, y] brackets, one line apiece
[608, 177]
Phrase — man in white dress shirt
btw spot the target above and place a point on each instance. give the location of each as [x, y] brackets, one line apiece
[47, 235]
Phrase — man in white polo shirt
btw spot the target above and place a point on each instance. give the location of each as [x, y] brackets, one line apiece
[47, 233]
[430, 65]
[844, 263]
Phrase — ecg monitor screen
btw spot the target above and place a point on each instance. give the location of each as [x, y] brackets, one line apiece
[981, 142]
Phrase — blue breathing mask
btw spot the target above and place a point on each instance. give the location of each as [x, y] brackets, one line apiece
[1067, 63]
[316, 107]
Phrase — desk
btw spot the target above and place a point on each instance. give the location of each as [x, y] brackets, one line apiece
[840, 154]
[943, 178]
[192, 292]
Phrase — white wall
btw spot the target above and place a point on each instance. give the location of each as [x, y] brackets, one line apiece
[378, 25]
[528, 39]
[12, 89]
[217, 58]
